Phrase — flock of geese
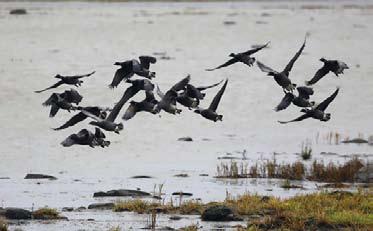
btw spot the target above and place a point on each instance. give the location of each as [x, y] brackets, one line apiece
[183, 92]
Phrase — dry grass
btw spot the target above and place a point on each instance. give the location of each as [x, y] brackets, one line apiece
[306, 152]
[141, 206]
[190, 228]
[3, 225]
[45, 214]
[319, 171]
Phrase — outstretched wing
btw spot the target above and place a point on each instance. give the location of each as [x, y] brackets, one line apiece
[292, 61]
[99, 134]
[300, 118]
[51, 100]
[159, 92]
[179, 86]
[146, 61]
[265, 68]
[74, 120]
[120, 74]
[215, 102]
[252, 51]
[210, 86]
[319, 74]
[128, 94]
[54, 110]
[324, 104]
[193, 92]
[305, 92]
[149, 97]
[130, 112]
[53, 86]
[228, 63]
[82, 76]
[285, 102]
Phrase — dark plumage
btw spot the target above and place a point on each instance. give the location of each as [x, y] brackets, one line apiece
[282, 78]
[129, 68]
[302, 100]
[85, 137]
[210, 113]
[97, 111]
[244, 57]
[168, 100]
[108, 123]
[335, 66]
[146, 105]
[317, 112]
[63, 101]
[70, 80]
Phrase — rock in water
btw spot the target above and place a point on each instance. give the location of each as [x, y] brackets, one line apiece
[18, 11]
[187, 139]
[40, 176]
[365, 174]
[219, 213]
[355, 141]
[17, 214]
[102, 206]
[122, 193]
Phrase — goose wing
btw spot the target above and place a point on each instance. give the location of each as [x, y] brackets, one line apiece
[215, 102]
[228, 63]
[289, 66]
[53, 86]
[300, 118]
[265, 68]
[74, 120]
[146, 61]
[305, 92]
[285, 102]
[252, 51]
[318, 75]
[128, 94]
[324, 104]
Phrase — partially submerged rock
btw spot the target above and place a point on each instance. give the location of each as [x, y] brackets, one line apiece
[18, 11]
[39, 176]
[102, 206]
[219, 213]
[122, 193]
[141, 177]
[355, 141]
[182, 194]
[17, 214]
[187, 139]
[181, 175]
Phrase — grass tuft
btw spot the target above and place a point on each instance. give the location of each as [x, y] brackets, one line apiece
[45, 214]
[3, 225]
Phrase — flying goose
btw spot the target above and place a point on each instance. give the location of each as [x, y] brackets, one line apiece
[85, 137]
[302, 100]
[63, 101]
[335, 66]
[70, 80]
[244, 57]
[282, 78]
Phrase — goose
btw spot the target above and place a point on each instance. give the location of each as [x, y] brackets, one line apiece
[335, 66]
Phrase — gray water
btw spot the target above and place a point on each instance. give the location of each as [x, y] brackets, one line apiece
[75, 37]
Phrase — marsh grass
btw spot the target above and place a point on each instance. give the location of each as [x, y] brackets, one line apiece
[318, 171]
[46, 213]
[306, 152]
[192, 227]
[302, 212]
[141, 206]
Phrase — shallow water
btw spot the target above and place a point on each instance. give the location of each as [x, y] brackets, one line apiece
[74, 37]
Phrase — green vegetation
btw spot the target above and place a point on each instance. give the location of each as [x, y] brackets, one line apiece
[335, 210]
[306, 152]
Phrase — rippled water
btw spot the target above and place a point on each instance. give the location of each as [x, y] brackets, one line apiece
[71, 38]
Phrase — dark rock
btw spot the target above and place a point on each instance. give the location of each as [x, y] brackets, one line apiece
[4, 178]
[187, 138]
[228, 23]
[141, 177]
[182, 194]
[355, 141]
[181, 175]
[67, 209]
[203, 174]
[40, 176]
[81, 208]
[103, 206]
[17, 214]
[122, 193]
[90, 219]
[175, 218]
[18, 11]
[219, 213]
